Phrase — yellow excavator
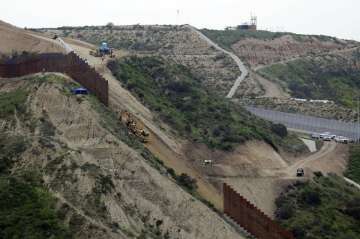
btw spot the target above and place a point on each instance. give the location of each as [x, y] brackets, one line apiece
[134, 126]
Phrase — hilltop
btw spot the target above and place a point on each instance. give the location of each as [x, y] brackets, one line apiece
[285, 65]
[14, 39]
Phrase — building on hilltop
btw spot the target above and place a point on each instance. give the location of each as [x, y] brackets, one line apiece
[252, 26]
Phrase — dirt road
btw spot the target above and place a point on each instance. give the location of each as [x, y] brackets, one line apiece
[239, 63]
[352, 182]
[327, 149]
[272, 90]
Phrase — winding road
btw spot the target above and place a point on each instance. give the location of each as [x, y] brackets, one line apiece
[240, 64]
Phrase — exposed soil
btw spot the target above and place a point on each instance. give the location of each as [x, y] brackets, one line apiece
[81, 152]
[16, 39]
[264, 52]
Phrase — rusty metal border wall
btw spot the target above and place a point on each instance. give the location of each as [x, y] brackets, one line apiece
[70, 64]
[251, 218]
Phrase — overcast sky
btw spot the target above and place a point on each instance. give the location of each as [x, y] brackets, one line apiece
[339, 18]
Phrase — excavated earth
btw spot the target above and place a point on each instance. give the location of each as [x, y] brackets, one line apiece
[258, 52]
[14, 39]
[105, 189]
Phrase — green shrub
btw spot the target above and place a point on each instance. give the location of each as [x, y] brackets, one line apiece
[319, 78]
[186, 181]
[104, 184]
[192, 110]
[11, 148]
[327, 207]
[353, 170]
[227, 38]
[280, 130]
[11, 101]
[28, 211]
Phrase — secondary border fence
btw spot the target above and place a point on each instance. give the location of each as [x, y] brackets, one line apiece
[309, 123]
[70, 64]
[251, 218]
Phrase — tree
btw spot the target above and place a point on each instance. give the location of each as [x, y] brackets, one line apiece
[279, 129]
[187, 181]
[110, 25]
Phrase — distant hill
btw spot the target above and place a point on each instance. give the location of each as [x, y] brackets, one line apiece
[258, 48]
[333, 76]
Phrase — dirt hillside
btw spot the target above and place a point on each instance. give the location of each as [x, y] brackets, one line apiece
[178, 43]
[105, 188]
[139, 188]
[247, 168]
[13, 39]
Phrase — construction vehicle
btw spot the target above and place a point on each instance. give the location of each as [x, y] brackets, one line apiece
[134, 126]
[300, 172]
[102, 51]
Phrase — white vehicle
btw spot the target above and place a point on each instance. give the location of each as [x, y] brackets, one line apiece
[208, 161]
[327, 138]
[322, 135]
[326, 135]
[342, 139]
[315, 136]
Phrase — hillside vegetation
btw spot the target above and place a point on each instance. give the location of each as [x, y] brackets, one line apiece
[264, 47]
[227, 38]
[325, 208]
[178, 97]
[331, 110]
[27, 209]
[332, 77]
[70, 169]
[353, 170]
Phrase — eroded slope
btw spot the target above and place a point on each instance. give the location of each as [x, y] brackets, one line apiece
[105, 188]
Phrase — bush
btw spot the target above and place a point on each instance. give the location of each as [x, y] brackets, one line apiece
[11, 148]
[326, 207]
[319, 78]
[279, 129]
[353, 209]
[353, 170]
[11, 101]
[171, 172]
[311, 197]
[193, 111]
[286, 211]
[186, 181]
[318, 174]
[28, 211]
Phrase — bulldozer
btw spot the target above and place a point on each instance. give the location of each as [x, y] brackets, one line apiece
[102, 51]
[134, 126]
